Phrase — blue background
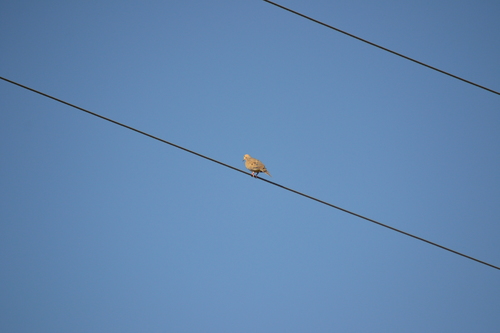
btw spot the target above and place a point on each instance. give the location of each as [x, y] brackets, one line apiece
[105, 230]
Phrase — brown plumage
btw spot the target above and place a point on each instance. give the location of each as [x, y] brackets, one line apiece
[255, 165]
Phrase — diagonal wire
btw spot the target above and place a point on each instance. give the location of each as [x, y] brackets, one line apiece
[383, 48]
[120, 124]
[239, 170]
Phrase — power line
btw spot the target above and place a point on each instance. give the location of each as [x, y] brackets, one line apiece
[120, 124]
[381, 47]
[239, 170]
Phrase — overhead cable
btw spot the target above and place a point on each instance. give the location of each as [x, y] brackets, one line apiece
[381, 47]
[239, 170]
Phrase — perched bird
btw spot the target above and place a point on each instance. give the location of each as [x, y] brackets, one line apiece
[255, 165]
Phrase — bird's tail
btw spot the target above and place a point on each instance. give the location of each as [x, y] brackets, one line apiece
[267, 173]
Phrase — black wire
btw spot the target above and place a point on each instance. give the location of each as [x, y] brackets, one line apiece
[383, 48]
[239, 170]
[120, 124]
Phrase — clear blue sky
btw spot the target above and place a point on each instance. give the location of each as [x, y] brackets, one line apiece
[105, 230]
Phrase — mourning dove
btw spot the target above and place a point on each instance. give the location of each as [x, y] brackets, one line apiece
[255, 165]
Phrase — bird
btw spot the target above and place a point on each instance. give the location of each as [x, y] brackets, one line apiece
[255, 165]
